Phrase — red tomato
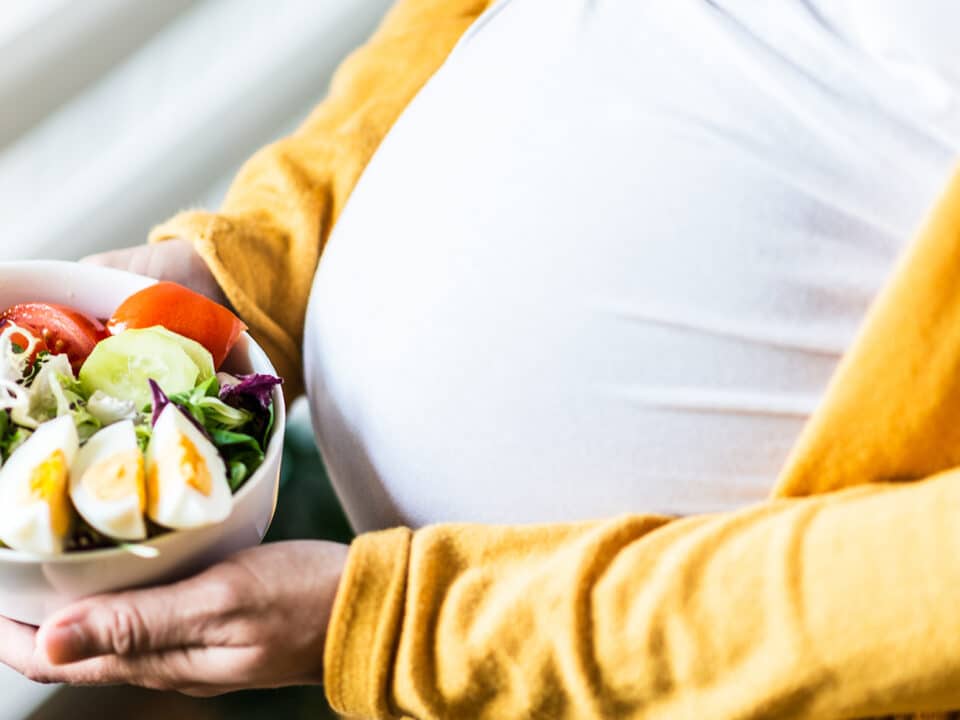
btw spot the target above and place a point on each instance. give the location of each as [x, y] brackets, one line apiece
[62, 329]
[182, 311]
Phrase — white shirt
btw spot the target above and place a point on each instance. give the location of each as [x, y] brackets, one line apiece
[609, 257]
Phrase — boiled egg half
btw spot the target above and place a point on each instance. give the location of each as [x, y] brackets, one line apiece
[107, 483]
[186, 477]
[35, 512]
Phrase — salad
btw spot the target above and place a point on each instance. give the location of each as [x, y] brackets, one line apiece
[112, 432]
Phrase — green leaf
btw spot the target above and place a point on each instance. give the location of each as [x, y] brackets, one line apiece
[217, 413]
[15, 437]
[231, 439]
[208, 388]
[73, 387]
[242, 453]
[87, 425]
[34, 369]
[239, 472]
[143, 432]
[271, 416]
[204, 404]
[4, 428]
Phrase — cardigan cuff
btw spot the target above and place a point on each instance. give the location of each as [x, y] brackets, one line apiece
[365, 625]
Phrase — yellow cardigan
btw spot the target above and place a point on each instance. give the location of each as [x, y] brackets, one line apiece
[840, 597]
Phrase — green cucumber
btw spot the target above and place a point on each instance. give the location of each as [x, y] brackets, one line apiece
[121, 365]
[197, 352]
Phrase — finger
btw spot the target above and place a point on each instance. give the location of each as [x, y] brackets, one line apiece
[17, 642]
[185, 614]
[130, 259]
[209, 691]
[192, 669]
[177, 260]
[104, 258]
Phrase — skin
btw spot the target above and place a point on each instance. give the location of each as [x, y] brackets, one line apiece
[174, 260]
[256, 620]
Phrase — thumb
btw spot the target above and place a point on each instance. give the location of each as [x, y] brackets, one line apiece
[133, 258]
[135, 622]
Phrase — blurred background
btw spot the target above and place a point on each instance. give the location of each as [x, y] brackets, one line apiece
[115, 114]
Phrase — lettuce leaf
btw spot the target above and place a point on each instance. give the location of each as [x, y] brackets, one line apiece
[11, 435]
[241, 452]
[108, 409]
[204, 403]
[54, 391]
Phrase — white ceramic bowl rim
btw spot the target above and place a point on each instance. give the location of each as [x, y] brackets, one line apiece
[274, 446]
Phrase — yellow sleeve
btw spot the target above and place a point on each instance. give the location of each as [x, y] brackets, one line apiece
[838, 605]
[264, 244]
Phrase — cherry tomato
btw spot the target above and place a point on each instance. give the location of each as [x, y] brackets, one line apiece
[61, 329]
[182, 311]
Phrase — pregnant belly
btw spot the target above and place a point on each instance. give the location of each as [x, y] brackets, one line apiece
[539, 360]
[554, 301]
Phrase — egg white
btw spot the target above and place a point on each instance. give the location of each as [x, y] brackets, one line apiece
[174, 500]
[111, 505]
[30, 513]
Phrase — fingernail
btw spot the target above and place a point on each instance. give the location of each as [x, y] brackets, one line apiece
[67, 644]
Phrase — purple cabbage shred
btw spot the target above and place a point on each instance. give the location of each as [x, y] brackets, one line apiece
[160, 400]
[252, 389]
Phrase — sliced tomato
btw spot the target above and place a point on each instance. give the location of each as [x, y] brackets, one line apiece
[63, 330]
[182, 311]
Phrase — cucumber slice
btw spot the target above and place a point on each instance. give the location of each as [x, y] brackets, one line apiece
[197, 352]
[121, 365]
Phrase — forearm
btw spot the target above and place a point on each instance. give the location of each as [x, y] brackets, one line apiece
[790, 609]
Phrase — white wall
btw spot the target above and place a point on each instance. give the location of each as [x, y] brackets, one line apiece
[114, 114]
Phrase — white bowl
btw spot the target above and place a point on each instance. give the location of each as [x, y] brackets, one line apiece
[33, 587]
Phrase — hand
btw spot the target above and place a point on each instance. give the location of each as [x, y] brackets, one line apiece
[256, 620]
[174, 260]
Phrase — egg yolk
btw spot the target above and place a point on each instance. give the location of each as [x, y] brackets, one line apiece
[48, 484]
[153, 490]
[117, 477]
[193, 468]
